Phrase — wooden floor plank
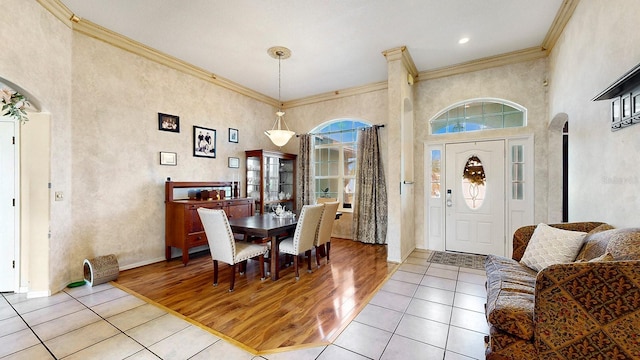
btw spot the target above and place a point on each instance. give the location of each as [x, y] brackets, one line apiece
[266, 316]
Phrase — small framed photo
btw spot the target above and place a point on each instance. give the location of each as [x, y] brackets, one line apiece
[204, 142]
[233, 135]
[168, 158]
[234, 162]
[168, 122]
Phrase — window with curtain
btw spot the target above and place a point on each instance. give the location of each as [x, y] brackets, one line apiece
[334, 158]
[478, 115]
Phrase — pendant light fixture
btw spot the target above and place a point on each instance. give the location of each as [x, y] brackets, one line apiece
[278, 136]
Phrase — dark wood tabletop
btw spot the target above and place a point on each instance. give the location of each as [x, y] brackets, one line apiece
[267, 226]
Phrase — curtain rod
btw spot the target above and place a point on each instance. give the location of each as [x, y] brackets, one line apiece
[335, 132]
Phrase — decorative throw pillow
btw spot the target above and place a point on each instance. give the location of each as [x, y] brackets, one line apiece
[603, 257]
[595, 243]
[625, 244]
[549, 245]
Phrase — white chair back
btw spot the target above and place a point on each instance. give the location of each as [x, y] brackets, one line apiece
[307, 228]
[219, 235]
[326, 223]
[325, 200]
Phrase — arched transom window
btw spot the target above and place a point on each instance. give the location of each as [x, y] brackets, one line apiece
[478, 115]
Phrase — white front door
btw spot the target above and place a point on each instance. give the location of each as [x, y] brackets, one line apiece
[7, 206]
[475, 197]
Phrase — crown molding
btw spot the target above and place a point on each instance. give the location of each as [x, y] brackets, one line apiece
[557, 27]
[88, 28]
[402, 53]
[532, 53]
[98, 32]
[59, 10]
[338, 94]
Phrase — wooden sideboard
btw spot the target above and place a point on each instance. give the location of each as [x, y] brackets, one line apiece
[183, 228]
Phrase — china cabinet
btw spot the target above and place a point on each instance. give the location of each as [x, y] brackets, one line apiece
[183, 228]
[271, 179]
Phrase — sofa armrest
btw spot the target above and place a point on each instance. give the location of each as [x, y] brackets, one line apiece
[588, 308]
[522, 235]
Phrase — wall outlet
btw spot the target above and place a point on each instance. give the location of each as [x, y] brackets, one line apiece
[59, 196]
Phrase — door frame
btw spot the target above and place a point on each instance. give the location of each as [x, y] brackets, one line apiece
[17, 208]
[517, 212]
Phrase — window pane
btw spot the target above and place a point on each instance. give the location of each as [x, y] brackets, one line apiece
[492, 108]
[439, 127]
[435, 173]
[473, 109]
[333, 168]
[349, 190]
[518, 191]
[513, 120]
[517, 153]
[517, 172]
[349, 161]
[494, 122]
[473, 183]
[455, 113]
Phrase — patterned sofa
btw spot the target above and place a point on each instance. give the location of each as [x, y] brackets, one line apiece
[586, 309]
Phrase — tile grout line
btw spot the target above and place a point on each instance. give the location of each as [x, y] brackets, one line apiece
[108, 322]
[30, 328]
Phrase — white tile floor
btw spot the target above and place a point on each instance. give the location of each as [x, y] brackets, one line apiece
[424, 311]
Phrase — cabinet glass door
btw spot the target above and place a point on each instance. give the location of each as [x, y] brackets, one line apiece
[254, 181]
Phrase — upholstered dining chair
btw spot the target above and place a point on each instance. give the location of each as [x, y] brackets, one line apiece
[304, 236]
[224, 247]
[325, 228]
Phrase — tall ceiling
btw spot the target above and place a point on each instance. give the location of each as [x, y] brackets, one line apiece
[335, 44]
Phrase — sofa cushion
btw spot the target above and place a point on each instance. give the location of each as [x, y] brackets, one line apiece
[550, 245]
[510, 296]
[624, 244]
[595, 243]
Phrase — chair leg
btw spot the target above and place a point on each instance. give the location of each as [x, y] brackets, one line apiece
[295, 265]
[318, 255]
[261, 260]
[308, 255]
[328, 245]
[233, 277]
[243, 267]
[215, 272]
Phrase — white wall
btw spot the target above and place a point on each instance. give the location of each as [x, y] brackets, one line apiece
[598, 45]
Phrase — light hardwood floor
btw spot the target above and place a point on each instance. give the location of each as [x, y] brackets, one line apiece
[268, 315]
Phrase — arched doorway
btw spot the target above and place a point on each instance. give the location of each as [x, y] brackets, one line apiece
[558, 167]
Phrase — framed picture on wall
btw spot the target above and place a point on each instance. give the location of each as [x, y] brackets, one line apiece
[168, 122]
[234, 162]
[233, 135]
[168, 158]
[204, 142]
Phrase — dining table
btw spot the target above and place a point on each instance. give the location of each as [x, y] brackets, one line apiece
[267, 226]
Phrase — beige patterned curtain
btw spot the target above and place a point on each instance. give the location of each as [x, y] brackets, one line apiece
[305, 195]
[370, 213]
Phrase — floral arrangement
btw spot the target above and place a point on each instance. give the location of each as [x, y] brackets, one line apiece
[14, 104]
[474, 171]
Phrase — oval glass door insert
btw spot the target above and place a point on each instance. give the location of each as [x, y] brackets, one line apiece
[474, 182]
